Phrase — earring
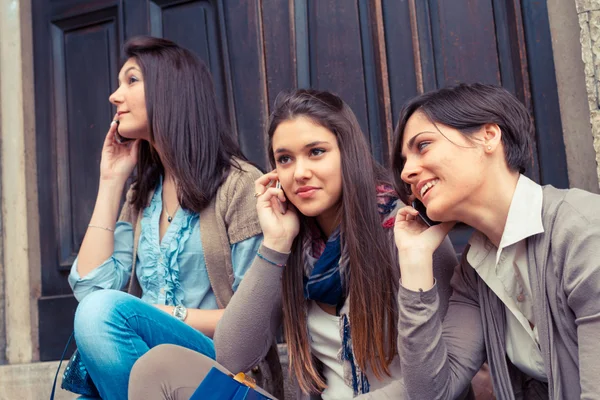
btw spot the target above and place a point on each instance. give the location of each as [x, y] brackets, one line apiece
[489, 148]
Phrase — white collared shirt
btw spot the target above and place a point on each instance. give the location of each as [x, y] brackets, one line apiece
[505, 271]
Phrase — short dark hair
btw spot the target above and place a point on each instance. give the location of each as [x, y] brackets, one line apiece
[372, 266]
[466, 108]
[185, 123]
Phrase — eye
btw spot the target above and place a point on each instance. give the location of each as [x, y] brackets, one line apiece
[132, 79]
[421, 145]
[316, 151]
[283, 160]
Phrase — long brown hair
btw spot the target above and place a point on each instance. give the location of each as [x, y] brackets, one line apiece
[185, 124]
[372, 277]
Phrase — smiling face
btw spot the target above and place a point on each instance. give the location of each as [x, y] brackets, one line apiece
[130, 101]
[444, 169]
[309, 167]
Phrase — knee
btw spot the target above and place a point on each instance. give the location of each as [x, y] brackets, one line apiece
[153, 363]
[150, 373]
[96, 311]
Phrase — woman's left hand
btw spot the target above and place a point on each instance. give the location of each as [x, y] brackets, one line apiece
[416, 243]
[412, 235]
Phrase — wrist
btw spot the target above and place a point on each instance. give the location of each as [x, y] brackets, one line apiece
[272, 256]
[279, 245]
[416, 270]
[180, 312]
[112, 185]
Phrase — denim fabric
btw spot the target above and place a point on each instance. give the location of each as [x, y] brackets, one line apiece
[113, 329]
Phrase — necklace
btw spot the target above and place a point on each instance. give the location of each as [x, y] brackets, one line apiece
[169, 217]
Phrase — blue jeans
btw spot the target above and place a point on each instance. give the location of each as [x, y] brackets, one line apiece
[113, 329]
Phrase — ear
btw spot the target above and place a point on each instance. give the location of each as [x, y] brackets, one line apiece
[492, 137]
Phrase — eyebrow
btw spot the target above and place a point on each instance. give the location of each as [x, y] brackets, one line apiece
[306, 146]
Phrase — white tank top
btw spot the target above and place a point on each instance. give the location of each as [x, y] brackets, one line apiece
[326, 342]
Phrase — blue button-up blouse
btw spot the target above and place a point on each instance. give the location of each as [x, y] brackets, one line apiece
[171, 271]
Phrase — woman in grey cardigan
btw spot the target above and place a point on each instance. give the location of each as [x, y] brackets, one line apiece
[326, 268]
[526, 296]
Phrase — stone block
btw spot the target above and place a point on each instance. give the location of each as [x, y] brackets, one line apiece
[587, 5]
[595, 118]
[586, 44]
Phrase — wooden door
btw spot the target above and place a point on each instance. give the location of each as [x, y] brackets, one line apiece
[375, 54]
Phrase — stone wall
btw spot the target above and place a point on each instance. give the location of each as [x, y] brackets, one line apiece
[589, 22]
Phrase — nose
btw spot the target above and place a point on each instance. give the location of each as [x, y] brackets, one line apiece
[302, 171]
[411, 170]
[116, 97]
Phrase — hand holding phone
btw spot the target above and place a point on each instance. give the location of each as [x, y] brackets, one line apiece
[420, 207]
[118, 138]
[282, 206]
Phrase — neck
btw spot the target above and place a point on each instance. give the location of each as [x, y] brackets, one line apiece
[328, 221]
[488, 210]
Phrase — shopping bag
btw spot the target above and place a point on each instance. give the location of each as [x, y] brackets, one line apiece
[218, 385]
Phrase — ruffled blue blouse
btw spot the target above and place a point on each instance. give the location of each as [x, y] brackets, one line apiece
[171, 271]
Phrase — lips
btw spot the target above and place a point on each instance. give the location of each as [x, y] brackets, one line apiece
[119, 113]
[306, 191]
[424, 186]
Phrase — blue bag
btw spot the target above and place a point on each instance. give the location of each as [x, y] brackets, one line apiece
[219, 386]
[76, 378]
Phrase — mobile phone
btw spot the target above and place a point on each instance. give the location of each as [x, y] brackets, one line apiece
[118, 138]
[282, 206]
[420, 207]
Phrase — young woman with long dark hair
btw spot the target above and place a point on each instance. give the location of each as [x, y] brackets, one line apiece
[326, 268]
[527, 293]
[189, 210]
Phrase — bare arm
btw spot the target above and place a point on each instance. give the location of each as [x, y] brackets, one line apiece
[204, 321]
[118, 161]
[98, 242]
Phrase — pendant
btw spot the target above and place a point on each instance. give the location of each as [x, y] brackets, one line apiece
[169, 218]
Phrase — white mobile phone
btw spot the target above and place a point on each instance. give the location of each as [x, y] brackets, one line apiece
[282, 206]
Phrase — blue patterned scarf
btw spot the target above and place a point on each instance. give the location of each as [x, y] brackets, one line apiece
[325, 279]
[323, 272]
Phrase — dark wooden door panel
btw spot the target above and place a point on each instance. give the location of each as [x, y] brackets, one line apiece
[376, 54]
[88, 63]
[193, 25]
[244, 38]
[280, 61]
[464, 40]
[76, 56]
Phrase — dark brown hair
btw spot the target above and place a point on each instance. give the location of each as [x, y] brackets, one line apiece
[373, 278]
[185, 123]
[466, 108]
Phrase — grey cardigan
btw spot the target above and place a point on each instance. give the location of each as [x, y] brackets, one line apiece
[254, 315]
[564, 271]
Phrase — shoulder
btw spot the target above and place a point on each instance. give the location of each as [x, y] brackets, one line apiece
[570, 211]
[236, 204]
[241, 175]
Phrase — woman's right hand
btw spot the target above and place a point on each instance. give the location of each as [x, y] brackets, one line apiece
[118, 160]
[279, 230]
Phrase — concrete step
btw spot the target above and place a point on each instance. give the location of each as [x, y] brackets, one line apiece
[31, 382]
[34, 381]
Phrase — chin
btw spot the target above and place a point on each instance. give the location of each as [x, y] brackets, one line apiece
[437, 213]
[307, 210]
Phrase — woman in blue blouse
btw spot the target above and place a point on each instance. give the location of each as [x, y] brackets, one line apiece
[189, 209]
